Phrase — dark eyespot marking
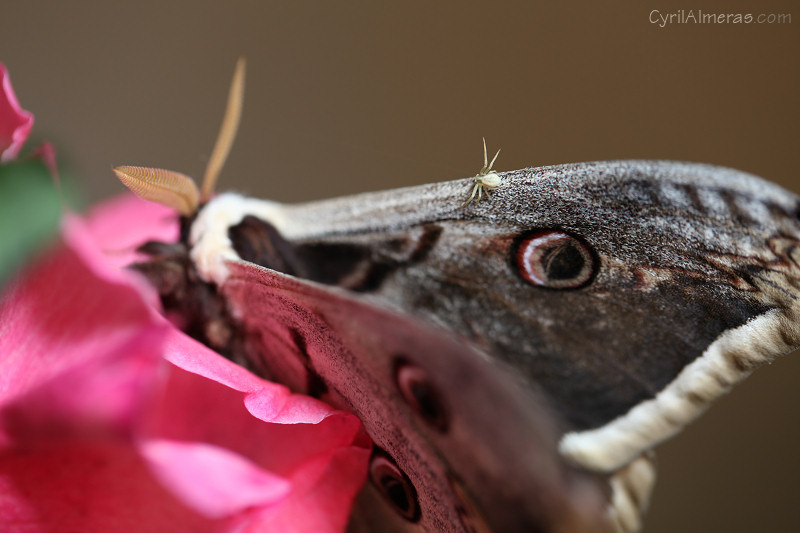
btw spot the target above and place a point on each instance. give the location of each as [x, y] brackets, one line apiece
[555, 260]
[394, 486]
[420, 394]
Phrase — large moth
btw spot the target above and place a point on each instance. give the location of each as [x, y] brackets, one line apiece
[515, 358]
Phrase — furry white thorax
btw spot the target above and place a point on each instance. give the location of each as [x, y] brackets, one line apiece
[211, 247]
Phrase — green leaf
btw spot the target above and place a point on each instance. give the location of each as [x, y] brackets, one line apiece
[30, 209]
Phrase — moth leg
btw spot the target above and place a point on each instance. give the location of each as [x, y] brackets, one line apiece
[631, 487]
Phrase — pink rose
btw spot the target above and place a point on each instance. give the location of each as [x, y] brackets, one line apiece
[112, 420]
[15, 123]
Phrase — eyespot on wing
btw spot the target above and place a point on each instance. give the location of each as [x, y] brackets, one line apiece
[554, 260]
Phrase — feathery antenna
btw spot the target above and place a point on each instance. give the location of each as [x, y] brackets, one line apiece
[227, 132]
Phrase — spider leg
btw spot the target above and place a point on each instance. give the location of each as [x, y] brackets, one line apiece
[493, 159]
[474, 189]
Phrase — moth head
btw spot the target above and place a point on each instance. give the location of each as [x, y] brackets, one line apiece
[177, 190]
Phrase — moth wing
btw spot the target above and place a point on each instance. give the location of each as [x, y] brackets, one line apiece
[478, 447]
[667, 284]
[694, 282]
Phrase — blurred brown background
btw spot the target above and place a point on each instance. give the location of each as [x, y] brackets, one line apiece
[344, 97]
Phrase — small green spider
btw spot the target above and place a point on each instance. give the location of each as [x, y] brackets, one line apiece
[485, 180]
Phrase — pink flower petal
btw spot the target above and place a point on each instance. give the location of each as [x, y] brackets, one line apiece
[325, 506]
[269, 402]
[192, 356]
[321, 451]
[90, 487]
[212, 480]
[78, 350]
[120, 225]
[100, 399]
[112, 420]
[194, 408]
[15, 123]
